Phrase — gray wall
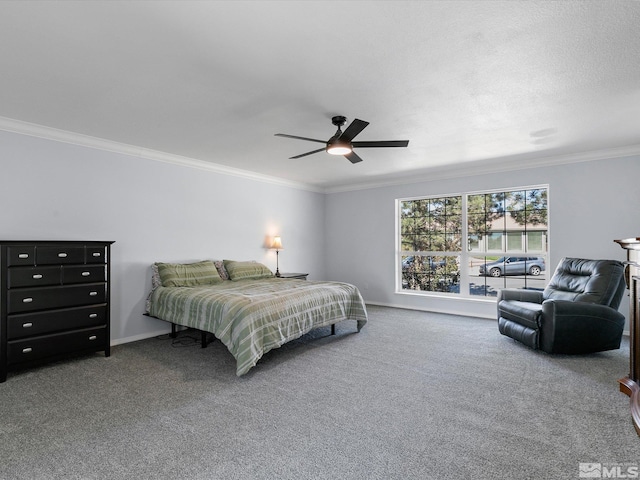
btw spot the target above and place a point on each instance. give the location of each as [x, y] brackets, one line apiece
[154, 211]
[159, 211]
[591, 204]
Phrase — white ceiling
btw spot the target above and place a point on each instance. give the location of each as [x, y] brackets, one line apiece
[465, 81]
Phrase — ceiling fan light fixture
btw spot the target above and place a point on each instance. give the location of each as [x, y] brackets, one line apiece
[339, 148]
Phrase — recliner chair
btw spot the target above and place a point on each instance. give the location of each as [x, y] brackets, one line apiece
[576, 312]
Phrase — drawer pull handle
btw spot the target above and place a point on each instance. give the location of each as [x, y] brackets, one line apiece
[93, 337]
[37, 276]
[93, 315]
[93, 294]
[23, 255]
[27, 300]
[27, 350]
[27, 325]
[96, 254]
[86, 274]
[62, 255]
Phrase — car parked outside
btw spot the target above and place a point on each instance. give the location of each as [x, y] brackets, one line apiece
[407, 262]
[514, 266]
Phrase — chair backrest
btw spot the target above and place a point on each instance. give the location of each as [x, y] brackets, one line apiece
[591, 281]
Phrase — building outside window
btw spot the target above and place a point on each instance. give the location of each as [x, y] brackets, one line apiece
[473, 244]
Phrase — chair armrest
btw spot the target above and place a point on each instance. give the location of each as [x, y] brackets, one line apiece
[520, 295]
[570, 311]
[579, 327]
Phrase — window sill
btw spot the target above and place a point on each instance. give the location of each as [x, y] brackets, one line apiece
[442, 295]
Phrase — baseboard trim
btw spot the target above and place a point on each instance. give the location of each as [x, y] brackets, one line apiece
[434, 310]
[142, 336]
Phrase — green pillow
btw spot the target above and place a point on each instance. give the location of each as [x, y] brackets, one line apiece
[246, 270]
[188, 274]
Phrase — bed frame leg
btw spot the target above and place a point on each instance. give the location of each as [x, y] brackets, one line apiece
[333, 329]
[174, 333]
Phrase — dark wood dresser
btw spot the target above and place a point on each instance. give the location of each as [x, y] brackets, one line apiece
[54, 301]
[631, 385]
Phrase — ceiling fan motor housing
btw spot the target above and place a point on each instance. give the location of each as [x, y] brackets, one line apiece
[339, 120]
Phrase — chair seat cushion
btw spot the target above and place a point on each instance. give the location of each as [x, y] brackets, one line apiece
[524, 313]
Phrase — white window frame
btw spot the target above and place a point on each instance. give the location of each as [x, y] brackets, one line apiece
[465, 254]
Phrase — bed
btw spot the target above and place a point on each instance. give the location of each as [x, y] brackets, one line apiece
[246, 307]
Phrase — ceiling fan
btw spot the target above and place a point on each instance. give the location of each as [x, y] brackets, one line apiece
[342, 142]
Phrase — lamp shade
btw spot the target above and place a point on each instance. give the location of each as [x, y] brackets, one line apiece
[276, 243]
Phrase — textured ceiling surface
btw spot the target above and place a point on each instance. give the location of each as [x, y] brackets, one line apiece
[464, 81]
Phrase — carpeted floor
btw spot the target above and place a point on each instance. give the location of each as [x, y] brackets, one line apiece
[414, 395]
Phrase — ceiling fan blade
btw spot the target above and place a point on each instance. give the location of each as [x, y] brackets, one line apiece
[299, 138]
[308, 153]
[353, 129]
[381, 143]
[353, 157]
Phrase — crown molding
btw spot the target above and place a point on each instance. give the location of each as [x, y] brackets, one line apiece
[64, 136]
[491, 166]
[467, 169]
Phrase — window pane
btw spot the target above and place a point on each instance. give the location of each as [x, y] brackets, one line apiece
[477, 224]
[454, 224]
[536, 242]
[481, 284]
[407, 209]
[475, 243]
[431, 273]
[407, 225]
[494, 241]
[453, 205]
[497, 223]
[453, 242]
[536, 199]
[495, 202]
[475, 204]
[536, 219]
[514, 242]
[437, 206]
[438, 242]
[515, 201]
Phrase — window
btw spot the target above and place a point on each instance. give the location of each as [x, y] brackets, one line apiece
[505, 234]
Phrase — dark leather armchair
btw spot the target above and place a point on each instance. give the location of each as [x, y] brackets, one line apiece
[576, 313]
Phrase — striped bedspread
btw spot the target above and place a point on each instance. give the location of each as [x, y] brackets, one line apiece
[252, 317]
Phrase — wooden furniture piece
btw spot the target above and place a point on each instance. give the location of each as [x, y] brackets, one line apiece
[54, 301]
[631, 385]
[300, 276]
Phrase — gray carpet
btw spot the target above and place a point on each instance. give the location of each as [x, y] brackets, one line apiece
[414, 395]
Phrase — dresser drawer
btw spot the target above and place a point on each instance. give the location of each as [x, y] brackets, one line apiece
[31, 324]
[19, 255]
[84, 274]
[32, 299]
[96, 254]
[47, 255]
[36, 348]
[33, 276]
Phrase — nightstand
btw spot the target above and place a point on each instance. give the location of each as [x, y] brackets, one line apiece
[300, 276]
